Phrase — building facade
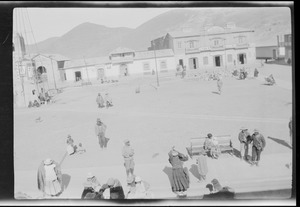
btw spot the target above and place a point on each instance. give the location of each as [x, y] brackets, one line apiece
[284, 43]
[213, 47]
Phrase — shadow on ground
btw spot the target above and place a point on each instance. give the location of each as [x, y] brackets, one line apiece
[280, 141]
[215, 92]
[194, 171]
[65, 181]
[168, 171]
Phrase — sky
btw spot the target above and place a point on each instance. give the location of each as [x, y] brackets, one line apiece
[42, 23]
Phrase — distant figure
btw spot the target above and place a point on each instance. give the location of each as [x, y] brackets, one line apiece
[36, 104]
[115, 189]
[100, 101]
[256, 73]
[291, 131]
[138, 89]
[218, 192]
[183, 72]
[211, 144]
[270, 80]
[219, 84]
[180, 177]
[49, 178]
[258, 146]
[202, 165]
[100, 130]
[243, 138]
[127, 154]
[108, 100]
[71, 147]
[80, 149]
[289, 61]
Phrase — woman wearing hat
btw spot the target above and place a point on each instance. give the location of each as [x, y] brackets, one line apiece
[49, 178]
[180, 177]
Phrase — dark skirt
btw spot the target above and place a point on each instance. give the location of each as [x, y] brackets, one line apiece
[180, 178]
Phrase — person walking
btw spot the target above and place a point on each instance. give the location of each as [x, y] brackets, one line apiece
[256, 73]
[243, 138]
[49, 178]
[180, 177]
[100, 130]
[115, 189]
[259, 144]
[219, 84]
[100, 101]
[127, 153]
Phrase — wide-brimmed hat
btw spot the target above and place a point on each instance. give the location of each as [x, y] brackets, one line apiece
[110, 181]
[255, 130]
[48, 161]
[209, 135]
[126, 141]
[216, 184]
[89, 175]
[244, 128]
[138, 179]
[174, 153]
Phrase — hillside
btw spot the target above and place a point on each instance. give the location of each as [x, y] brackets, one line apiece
[91, 40]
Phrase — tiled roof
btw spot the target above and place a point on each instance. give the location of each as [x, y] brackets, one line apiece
[150, 54]
[121, 50]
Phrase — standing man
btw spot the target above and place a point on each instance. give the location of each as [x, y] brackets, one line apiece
[243, 138]
[220, 84]
[100, 101]
[100, 130]
[259, 144]
[128, 153]
[108, 100]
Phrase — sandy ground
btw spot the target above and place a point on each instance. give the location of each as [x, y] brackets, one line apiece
[155, 120]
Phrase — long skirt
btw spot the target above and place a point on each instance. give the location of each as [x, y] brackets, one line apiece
[52, 187]
[180, 179]
[202, 166]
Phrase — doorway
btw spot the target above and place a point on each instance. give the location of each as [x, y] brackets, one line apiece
[242, 58]
[100, 73]
[193, 63]
[181, 62]
[77, 75]
[123, 70]
[217, 61]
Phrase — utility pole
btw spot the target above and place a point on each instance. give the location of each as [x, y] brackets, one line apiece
[53, 74]
[156, 65]
[87, 73]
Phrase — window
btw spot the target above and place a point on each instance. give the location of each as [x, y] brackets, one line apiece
[192, 44]
[205, 60]
[163, 64]
[146, 66]
[216, 42]
[229, 58]
[179, 44]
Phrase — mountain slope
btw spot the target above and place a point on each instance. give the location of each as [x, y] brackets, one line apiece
[92, 40]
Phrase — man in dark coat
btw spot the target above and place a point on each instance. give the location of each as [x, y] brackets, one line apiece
[259, 143]
[115, 189]
[243, 137]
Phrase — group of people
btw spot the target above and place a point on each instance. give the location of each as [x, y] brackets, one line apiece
[256, 141]
[104, 102]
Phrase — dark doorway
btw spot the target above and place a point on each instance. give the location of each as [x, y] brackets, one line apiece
[100, 73]
[193, 63]
[218, 61]
[77, 75]
[181, 62]
[242, 58]
[274, 54]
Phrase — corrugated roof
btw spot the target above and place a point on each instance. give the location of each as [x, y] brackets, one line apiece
[86, 62]
[121, 50]
[150, 54]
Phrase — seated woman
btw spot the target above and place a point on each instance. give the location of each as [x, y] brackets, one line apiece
[211, 144]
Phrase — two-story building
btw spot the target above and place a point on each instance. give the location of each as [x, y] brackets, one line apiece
[213, 47]
[284, 43]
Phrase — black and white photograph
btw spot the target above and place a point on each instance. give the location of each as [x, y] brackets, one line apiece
[170, 102]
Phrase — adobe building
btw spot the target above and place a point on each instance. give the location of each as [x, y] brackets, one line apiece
[212, 48]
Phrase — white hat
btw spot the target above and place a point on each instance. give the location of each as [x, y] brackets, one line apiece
[48, 161]
[138, 179]
[174, 153]
[244, 128]
[90, 175]
[255, 130]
